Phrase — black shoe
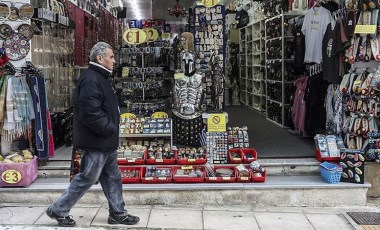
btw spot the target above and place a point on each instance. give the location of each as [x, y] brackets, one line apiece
[128, 219]
[67, 221]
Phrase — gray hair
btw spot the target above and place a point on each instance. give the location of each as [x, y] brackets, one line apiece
[99, 49]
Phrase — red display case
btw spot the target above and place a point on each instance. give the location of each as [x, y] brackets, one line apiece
[249, 151]
[156, 180]
[218, 179]
[178, 179]
[126, 180]
[235, 160]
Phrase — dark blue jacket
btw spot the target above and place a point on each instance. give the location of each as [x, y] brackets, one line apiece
[96, 111]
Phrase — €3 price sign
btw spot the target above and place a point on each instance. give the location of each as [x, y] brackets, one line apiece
[134, 36]
[209, 3]
[11, 176]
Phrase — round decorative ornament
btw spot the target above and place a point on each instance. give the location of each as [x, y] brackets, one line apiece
[14, 13]
[25, 12]
[26, 30]
[5, 30]
[5, 11]
[16, 46]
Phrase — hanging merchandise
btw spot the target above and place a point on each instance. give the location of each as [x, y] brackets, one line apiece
[352, 162]
[16, 46]
[314, 27]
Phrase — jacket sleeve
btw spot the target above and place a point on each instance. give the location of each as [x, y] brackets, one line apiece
[91, 113]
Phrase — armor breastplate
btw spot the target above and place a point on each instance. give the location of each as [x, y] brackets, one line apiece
[188, 96]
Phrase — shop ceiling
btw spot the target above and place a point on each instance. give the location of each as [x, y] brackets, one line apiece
[158, 9]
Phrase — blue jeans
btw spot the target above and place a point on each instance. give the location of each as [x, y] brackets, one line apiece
[95, 165]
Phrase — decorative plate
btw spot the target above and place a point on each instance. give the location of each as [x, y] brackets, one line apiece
[16, 46]
[25, 12]
[14, 14]
[26, 30]
[5, 11]
[5, 30]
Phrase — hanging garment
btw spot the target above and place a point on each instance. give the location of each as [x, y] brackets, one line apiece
[331, 50]
[299, 105]
[334, 116]
[3, 93]
[39, 103]
[51, 137]
[314, 28]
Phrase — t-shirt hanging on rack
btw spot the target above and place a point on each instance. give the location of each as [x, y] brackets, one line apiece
[331, 48]
[314, 28]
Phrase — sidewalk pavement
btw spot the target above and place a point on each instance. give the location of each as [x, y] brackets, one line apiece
[32, 217]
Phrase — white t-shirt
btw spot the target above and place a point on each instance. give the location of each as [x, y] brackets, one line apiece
[314, 28]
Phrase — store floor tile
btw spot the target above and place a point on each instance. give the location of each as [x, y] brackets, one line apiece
[221, 219]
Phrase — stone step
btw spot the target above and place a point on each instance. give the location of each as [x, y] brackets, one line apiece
[277, 191]
[297, 166]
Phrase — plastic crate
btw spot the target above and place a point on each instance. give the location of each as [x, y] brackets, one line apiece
[190, 161]
[159, 161]
[244, 179]
[126, 161]
[259, 179]
[130, 180]
[156, 180]
[235, 160]
[188, 179]
[18, 174]
[330, 172]
[222, 179]
[252, 151]
[319, 157]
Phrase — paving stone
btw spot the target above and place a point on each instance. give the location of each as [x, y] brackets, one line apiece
[283, 221]
[101, 218]
[234, 208]
[328, 221]
[20, 215]
[227, 219]
[175, 219]
[82, 216]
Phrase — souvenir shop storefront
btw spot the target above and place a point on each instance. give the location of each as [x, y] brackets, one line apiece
[305, 66]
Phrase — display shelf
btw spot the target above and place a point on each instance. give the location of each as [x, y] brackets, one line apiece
[272, 100]
[146, 135]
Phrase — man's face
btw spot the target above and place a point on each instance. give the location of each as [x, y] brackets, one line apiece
[108, 60]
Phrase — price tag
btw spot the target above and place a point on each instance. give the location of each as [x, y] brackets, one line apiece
[161, 178]
[190, 160]
[236, 159]
[151, 34]
[165, 36]
[160, 160]
[148, 178]
[244, 178]
[365, 29]
[226, 178]
[127, 115]
[212, 178]
[160, 115]
[134, 36]
[132, 160]
[209, 3]
[11, 176]
[179, 75]
[186, 167]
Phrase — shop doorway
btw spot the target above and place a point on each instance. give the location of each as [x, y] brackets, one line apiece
[270, 140]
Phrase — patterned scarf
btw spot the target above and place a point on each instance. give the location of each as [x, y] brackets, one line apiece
[3, 92]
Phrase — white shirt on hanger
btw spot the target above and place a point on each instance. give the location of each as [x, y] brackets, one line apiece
[314, 28]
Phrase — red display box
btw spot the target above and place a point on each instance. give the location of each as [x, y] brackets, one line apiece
[188, 179]
[234, 160]
[247, 159]
[139, 161]
[130, 180]
[244, 179]
[18, 174]
[158, 161]
[156, 180]
[259, 179]
[222, 179]
[190, 161]
[319, 157]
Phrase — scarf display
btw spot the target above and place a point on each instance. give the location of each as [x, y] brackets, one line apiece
[40, 110]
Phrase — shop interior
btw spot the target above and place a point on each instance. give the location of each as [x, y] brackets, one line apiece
[285, 86]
